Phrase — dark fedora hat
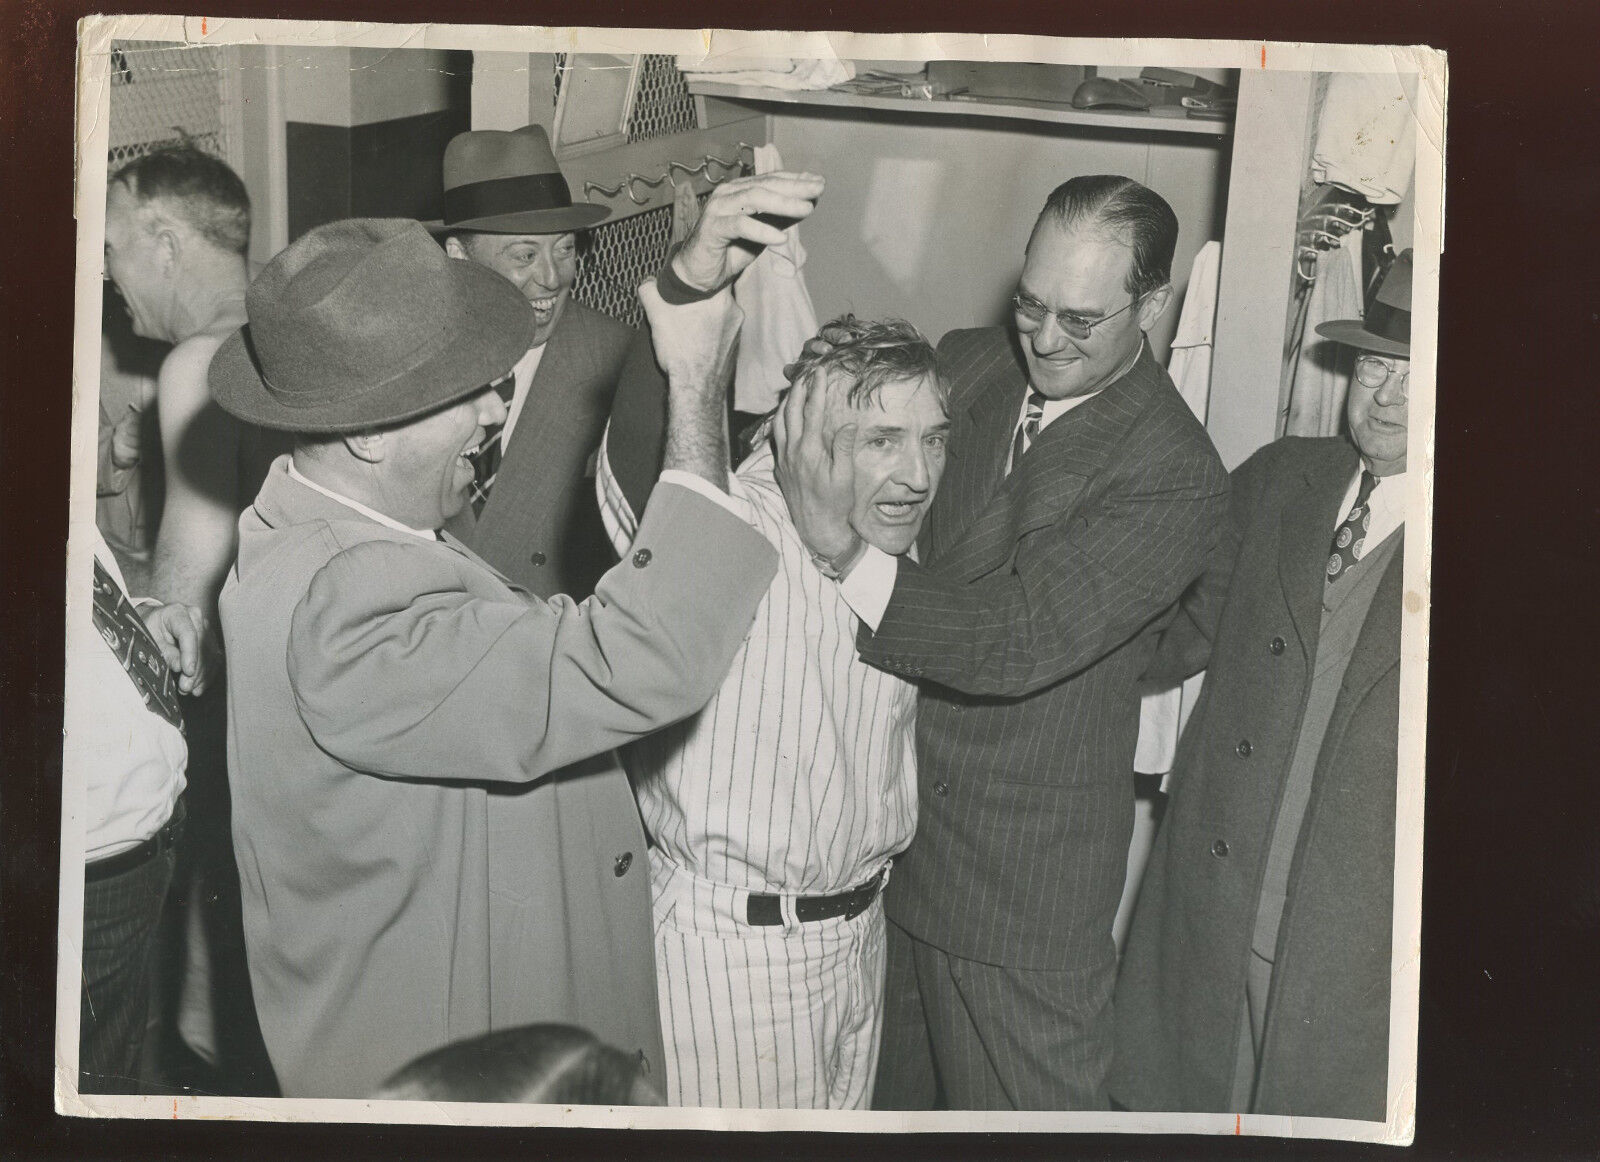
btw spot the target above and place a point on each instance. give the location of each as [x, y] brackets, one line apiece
[502, 181]
[364, 323]
[1387, 327]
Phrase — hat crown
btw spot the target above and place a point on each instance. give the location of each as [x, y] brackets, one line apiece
[483, 155]
[1395, 290]
[359, 296]
[506, 181]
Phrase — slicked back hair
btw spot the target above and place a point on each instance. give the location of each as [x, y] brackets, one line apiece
[1124, 208]
[198, 188]
[872, 354]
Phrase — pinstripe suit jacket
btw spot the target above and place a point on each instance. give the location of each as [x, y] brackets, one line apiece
[1039, 606]
[541, 526]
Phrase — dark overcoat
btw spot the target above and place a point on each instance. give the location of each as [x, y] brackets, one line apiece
[541, 526]
[1255, 617]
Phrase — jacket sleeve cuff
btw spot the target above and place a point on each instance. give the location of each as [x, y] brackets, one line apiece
[674, 291]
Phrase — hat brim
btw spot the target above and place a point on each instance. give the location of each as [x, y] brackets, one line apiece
[559, 220]
[498, 331]
[1355, 334]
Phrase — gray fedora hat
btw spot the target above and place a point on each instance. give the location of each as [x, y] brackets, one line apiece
[364, 323]
[501, 181]
[1386, 329]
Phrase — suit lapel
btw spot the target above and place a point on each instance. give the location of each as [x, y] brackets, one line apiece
[1050, 480]
[549, 432]
[1377, 649]
[1308, 521]
[986, 393]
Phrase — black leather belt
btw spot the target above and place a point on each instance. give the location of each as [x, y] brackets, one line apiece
[765, 909]
[126, 861]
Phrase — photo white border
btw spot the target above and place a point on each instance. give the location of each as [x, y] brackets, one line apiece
[96, 34]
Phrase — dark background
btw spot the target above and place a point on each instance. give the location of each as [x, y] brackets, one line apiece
[1511, 909]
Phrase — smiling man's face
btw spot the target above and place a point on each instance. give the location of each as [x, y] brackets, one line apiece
[899, 458]
[1084, 272]
[543, 267]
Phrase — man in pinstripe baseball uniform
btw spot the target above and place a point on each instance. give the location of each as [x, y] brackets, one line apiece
[775, 811]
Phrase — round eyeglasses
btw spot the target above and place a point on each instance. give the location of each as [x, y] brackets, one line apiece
[1035, 312]
[1374, 371]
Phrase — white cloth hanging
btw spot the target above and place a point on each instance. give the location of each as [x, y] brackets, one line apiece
[1162, 714]
[1320, 377]
[1367, 135]
[772, 72]
[778, 315]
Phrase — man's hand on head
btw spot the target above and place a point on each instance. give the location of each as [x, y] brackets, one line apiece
[816, 464]
[732, 230]
[179, 630]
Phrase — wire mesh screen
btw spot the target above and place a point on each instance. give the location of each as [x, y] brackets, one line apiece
[162, 92]
[623, 253]
[662, 104]
[619, 257]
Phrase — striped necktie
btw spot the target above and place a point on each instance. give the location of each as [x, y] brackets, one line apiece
[1351, 535]
[1027, 427]
[486, 460]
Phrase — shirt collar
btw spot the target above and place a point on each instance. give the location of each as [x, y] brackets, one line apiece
[370, 513]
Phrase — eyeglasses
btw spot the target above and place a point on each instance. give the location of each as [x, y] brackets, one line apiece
[1036, 313]
[1374, 372]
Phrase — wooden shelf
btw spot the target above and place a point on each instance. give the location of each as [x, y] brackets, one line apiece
[1015, 110]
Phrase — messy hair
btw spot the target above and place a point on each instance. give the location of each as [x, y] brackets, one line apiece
[198, 188]
[870, 354]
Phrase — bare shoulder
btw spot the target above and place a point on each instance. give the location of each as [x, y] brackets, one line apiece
[183, 372]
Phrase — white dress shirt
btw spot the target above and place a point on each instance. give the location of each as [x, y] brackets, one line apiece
[522, 373]
[133, 760]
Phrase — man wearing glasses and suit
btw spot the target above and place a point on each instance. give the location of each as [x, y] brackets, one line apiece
[1081, 499]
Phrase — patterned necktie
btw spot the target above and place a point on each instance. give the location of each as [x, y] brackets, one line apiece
[1351, 535]
[486, 461]
[124, 630]
[1028, 428]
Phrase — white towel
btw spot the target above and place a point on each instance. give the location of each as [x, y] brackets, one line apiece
[778, 315]
[1367, 135]
[773, 72]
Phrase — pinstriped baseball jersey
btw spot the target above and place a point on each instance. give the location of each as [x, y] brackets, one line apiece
[799, 776]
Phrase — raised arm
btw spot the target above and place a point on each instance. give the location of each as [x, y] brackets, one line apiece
[737, 222]
[200, 445]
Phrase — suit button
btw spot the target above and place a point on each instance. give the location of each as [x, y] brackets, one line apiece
[537, 558]
[1243, 749]
[941, 789]
[622, 863]
[1220, 849]
[641, 558]
[1276, 645]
